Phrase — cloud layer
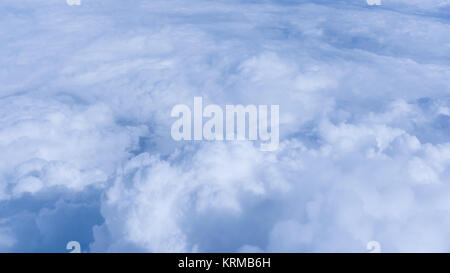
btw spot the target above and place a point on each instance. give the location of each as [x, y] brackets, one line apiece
[86, 93]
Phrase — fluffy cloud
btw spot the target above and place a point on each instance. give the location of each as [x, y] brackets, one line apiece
[85, 125]
[49, 143]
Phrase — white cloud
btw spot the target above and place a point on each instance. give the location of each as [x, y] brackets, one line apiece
[48, 143]
[363, 94]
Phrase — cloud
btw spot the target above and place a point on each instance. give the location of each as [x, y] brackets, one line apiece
[86, 94]
[48, 143]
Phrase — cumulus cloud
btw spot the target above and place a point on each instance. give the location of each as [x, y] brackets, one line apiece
[86, 94]
[49, 143]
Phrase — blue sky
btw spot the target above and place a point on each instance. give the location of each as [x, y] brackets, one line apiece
[86, 152]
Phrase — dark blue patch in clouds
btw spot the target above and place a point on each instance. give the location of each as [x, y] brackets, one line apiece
[47, 221]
